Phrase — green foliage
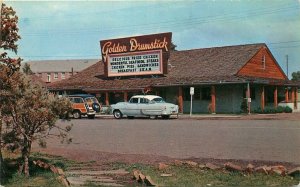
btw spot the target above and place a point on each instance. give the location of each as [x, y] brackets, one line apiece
[258, 111]
[244, 106]
[39, 176]
[269, 110]
[280, 109]
[296, 76]
[8, 66]
[30, 114]
[288, 109]
[187, 176]
[272, 110]
[26, 69]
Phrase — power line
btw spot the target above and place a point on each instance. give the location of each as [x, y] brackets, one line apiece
[99, 55]
[76, 15]
[166, 24]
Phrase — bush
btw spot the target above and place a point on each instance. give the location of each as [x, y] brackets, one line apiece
[258, 110]
[280, 109]
[272, 110]
[288, 109]
[244, 106]
[269, 110]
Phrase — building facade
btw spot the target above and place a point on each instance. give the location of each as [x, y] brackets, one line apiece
[56, 70]
[223, 77]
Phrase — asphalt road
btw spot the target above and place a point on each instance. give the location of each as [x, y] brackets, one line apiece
[268, 140]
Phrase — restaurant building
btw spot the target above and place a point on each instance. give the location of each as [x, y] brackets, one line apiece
[223, 78]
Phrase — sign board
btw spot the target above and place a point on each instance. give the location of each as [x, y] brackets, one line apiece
[192, 90]
[137, 55]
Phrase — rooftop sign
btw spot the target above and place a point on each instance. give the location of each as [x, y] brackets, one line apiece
[137, 55]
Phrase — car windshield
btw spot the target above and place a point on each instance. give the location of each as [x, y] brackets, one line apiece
[158, 100]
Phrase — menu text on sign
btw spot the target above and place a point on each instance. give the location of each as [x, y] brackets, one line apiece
[135, 63]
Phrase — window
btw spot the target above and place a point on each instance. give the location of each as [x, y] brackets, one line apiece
[158, 100]
[197, 93]
[200, 93]
[144, 100]
[263, 61]
[48, 77]
[55, 75]
[78, 100]
[205, 93]
[63, 75]
[134, 100]
[186, 94]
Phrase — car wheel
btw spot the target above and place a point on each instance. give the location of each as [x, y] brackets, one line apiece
[91, 116]
[76, 114]
[153, 117]
[117, 114]
[96, 107]
[165, 116]
[130, 117]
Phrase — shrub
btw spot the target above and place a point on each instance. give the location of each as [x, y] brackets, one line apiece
[280, 109]
[288, 109]
[258, 110]
[244, 106]
[269, 110]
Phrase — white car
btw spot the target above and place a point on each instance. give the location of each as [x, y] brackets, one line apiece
[144, 106]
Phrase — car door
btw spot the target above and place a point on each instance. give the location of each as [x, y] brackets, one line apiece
[131, 108]
[143, 106]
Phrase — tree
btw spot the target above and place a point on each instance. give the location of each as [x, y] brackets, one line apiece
[173, 47]
[28, 111]
[296, 76]
[26, 69]
[8, 38]
[30, 114]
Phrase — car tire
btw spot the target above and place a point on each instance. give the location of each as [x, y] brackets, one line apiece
[130, 117]
[117, 114]
[91, 116]
[153, 117]
[165, 116]
[76, 114]
[96, 107]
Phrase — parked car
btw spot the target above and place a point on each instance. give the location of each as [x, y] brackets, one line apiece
[84, 104]
[143, 106]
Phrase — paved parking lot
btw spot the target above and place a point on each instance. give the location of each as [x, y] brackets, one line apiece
[270, 140]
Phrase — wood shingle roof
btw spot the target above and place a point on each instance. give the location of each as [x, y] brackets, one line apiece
[188, 67]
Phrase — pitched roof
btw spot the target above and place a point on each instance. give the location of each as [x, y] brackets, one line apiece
[60, 65]
[35, 79]
[197, 66]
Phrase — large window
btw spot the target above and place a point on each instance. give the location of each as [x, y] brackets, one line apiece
[200, 93]
[205, 93]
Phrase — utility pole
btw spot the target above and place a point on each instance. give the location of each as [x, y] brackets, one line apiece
[287, 65]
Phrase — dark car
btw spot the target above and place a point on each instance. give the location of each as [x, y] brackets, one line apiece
[84, 104]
